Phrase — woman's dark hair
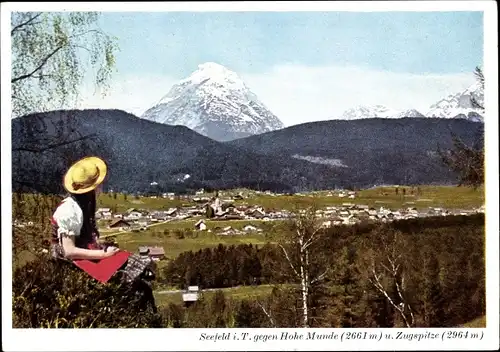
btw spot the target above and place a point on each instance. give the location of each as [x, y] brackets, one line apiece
[87, 202]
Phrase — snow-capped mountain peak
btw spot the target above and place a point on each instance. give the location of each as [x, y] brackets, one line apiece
[365, 112]
[408, 113]
[457, 105]
[214, 101]
[460, 104]
[216, 73]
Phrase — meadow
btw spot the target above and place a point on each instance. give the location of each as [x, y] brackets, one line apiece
[174, 245]
[451, 197]
[163, 297]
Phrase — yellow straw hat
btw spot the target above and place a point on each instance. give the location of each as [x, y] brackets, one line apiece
[85, 175]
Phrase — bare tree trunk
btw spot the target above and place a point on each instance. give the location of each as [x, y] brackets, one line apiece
[308, 231]
[304, 284]
[401, 308]
[267, 313]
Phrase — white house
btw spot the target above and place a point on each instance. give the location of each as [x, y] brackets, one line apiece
[106, 215]
[249, 228]
[327, 223]
[200, 225]
[171, 212]
[134, 215]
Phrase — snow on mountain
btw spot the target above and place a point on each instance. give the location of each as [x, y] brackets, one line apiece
[365, 112]
[407, 113]
[457, 105]
[460, 105]
[215, 102]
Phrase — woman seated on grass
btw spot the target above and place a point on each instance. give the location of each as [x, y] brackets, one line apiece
[75, 233]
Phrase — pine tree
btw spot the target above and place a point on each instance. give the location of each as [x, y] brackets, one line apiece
[432, 299]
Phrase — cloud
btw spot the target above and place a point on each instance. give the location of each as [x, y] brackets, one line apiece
[298, 94]
[134, 94]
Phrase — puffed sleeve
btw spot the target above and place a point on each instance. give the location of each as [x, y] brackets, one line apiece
[69, 222]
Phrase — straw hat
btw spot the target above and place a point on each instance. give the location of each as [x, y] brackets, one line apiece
[85, 175]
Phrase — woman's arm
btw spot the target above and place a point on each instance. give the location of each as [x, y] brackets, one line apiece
[74, 253]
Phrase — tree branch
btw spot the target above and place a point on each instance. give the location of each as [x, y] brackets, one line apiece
[320, 277]
[19, 26]
[56, 145]
[379, 287]
[43, 76]
[311, 239]
[289, 260]
[400, 294]
[44, 61]
[268, 314]
[87, 32]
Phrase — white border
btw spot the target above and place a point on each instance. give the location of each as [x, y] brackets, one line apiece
[355, 6]
[187, 339]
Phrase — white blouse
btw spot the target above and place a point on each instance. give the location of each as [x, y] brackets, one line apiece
[69, 218]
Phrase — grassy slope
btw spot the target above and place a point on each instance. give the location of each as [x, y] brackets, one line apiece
[476, 323]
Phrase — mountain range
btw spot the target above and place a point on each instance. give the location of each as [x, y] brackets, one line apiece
[316, 155]
[457, 105]
[215, 102]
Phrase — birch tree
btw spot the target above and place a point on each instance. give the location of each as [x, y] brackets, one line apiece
[385, 271]
[52, 54]
[301, 247]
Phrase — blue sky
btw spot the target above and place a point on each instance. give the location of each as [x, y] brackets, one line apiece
[411, 42]
[430, 54]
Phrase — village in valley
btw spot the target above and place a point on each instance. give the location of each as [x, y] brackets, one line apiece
[203, 208]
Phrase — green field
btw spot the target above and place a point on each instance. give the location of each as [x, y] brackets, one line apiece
[174, 246]
[476, 323]
[450, 197]
[122, 202]
[165, 235]
[236, 293]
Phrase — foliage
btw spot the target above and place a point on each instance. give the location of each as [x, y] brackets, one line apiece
[56, 294]
[467, 160]
[48, 58]
[227, 267]
[52, 54]
[441, 275]
[31, 229]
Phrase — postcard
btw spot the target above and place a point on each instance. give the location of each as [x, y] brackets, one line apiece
[250, 176]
